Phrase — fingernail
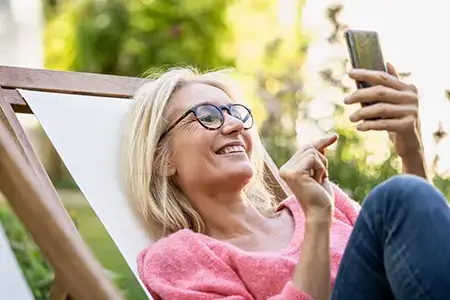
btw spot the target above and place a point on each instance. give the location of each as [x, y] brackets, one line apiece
[352, 117]
[346, 100]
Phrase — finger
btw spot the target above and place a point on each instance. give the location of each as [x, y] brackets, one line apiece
[325, 142]
[323, 159]
[315, 167]
[393, 125]
[381, 93]
[313, 151]
[383, 110]
[391, 70]
[378, 78]
[319, 156]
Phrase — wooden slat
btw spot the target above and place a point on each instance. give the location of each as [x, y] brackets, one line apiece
[13, 97]
[58, 291]
[52, 230]
[68, 82]
[273, 179]
[9, 118]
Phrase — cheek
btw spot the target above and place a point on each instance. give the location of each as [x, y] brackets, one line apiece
[191, 148]
[248, 139]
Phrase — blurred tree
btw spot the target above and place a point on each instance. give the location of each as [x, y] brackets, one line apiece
[350, 163]
[129, 37]
[277, 79]
[439, 180]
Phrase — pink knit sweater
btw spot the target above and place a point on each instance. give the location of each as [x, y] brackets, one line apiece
[188, 265]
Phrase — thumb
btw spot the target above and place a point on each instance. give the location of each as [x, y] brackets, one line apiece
[391, 70]
[324, 142]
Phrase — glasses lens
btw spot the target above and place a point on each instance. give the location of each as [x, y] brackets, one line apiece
[210, 116]
[242, 113]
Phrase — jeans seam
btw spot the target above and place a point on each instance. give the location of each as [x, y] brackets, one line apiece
[414, 279]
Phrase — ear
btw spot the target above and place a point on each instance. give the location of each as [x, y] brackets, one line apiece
[171, 170]
[166, 169]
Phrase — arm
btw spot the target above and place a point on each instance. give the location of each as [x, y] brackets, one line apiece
[415, 164]
[312, 273]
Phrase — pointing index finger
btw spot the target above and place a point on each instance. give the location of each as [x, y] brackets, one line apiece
[324, 142]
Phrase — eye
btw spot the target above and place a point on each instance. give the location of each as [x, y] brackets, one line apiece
[209, 118]
[209, 115]
[240, 113]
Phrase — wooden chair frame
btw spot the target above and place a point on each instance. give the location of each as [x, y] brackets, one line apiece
[32, 196]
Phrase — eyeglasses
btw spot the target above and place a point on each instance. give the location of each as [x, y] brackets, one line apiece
[211, 116]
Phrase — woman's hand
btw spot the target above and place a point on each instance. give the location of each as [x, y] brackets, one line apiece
[395, 111]
[306, 175]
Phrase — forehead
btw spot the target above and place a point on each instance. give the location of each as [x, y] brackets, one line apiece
[196, 93]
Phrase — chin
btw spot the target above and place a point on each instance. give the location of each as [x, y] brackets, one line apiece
[243, 174]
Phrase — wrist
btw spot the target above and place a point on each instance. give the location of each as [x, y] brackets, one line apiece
[414, 163]
[319, 218]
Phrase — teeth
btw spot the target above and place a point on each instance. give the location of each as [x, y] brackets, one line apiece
[231, 149]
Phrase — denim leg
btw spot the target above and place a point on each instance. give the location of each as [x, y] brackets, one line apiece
[400, 245]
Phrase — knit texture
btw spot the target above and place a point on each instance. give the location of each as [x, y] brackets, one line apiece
[188, 265]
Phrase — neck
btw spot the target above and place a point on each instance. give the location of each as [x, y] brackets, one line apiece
[227, 215]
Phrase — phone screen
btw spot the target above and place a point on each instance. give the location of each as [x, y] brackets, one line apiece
[365, 51]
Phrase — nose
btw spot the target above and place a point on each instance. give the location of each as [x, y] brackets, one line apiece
[231, 125]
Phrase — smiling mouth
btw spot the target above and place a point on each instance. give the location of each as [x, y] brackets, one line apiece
[231, 149]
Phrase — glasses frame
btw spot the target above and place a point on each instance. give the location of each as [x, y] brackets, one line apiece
[220, 108]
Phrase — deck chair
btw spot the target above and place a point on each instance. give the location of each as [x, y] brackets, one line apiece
[83, 116]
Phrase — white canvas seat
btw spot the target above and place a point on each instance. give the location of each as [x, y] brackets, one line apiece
[86, 132]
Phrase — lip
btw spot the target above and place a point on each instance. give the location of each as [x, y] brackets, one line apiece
[230, 144]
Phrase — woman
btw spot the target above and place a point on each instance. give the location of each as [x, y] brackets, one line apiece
[195, 170]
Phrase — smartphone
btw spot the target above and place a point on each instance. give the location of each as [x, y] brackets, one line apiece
[365, 52]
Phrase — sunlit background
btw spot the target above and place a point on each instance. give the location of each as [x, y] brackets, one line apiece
[288, 55]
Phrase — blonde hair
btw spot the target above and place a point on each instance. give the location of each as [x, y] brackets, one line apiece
[158, 200]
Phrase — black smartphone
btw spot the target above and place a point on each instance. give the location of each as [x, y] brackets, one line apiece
[365, 52]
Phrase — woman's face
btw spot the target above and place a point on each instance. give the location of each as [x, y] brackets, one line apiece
[208, 159]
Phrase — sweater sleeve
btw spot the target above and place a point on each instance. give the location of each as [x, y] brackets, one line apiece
[349, 207]
[188, 271]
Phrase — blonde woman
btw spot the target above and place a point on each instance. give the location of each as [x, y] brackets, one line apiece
[195, 170]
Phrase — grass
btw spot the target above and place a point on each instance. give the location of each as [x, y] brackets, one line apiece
[101, 244]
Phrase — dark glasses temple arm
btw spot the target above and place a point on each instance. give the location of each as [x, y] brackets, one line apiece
[176, 123]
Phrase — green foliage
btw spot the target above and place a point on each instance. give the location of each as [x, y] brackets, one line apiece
[129, 37]
[37, 272]
[280, 90]
[348, 164]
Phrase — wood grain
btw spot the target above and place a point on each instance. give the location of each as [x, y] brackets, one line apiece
[274, 181]
[68, 82]
[64, 82]
[58, 290]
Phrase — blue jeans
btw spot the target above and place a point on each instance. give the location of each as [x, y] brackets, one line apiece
[400, 245]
